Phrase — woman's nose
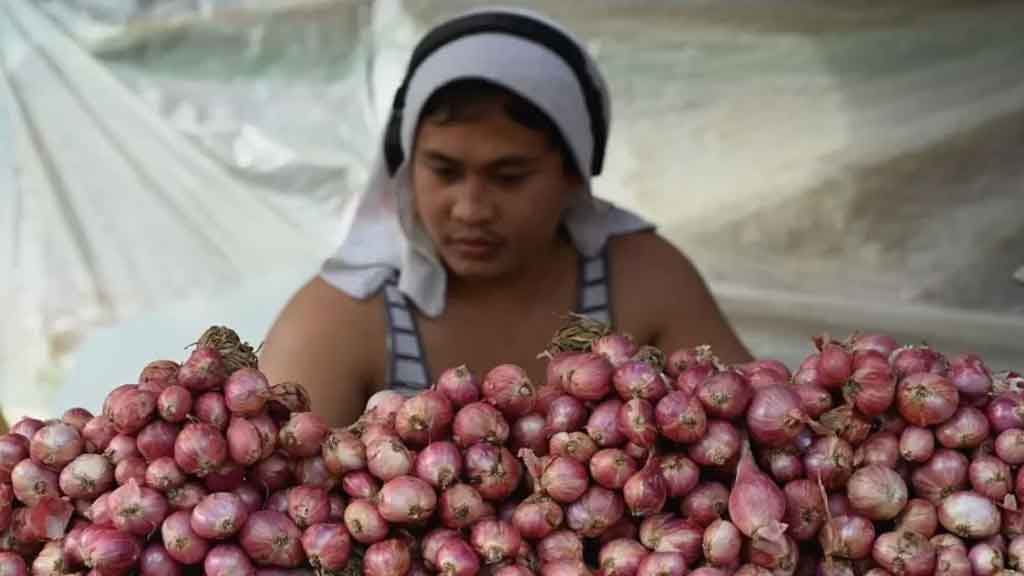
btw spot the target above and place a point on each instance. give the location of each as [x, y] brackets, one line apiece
[472, 203]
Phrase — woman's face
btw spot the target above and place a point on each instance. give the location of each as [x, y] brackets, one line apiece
[489, 191]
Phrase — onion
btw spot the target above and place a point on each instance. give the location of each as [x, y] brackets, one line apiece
[132, 410]
[110, 551]
[645, 492]
[680, 417]
[184, 545]
[120, 448]
[918, 515]
[667, 533]
[388, 458]
[680, 473]
[985, 559]
[537, 516]
[495, 540]
[968, 428]
[563, 545]
[565, 568]
[55, 445]
[756, 504]
[1005, 412]
[314, 472]
[460, 506]
[27, 427]
[227, 560]
[970, 375]
[302, 436]
[595, 511]
[774, 417]
[156, 561]
[252, 497]
[382, 407]
[186, 497]
[509, 389]
[12, 565]
[917, 444]
[432, 542]
[272, 473]
[565, 414]
[459, 385]
[174, 403]
[781, 555]
[719, 446]
[848, 537]
[871, 390]
[880, 343]
[270, 538]
[220, 515]
[564, 479]
[244, 444]
[990, 477]
[664, 564]
[440, 464]
[479, 422]
[969, 515]
[877, 492]
[137, 509]
[904, 552]
[846, 423]
[708, 502]
[493, 470]
[829, 458]
[722, 543]
[926, 399]
[406, 500]
[1015, 553]
[611, 468]
[814, 399]
[618, 348]
[87, 476]
[545, 395]
[947, 541]
[76, 417]
[156, 440]
[952, 563]
[199, 449]
[637, 422]
[327, 546]
[636, 451]
[638, 379]
[32, 482]
[725, 395]
[246, 391]
[805, 508]
[457, 558]
[586, 375]
[268, 432]
[364, 522]
[835, 362]
[45, 520]
[360, 484]
[882, 448]
[133, 468]
[1009, 446]
[692, 378]
[529, 432]
[13, 449]
[576, 445]
[387, 558]
[621, 557]
[945, 473]
[423, 418]
[624, 528]
[910, 360]
[203, 370]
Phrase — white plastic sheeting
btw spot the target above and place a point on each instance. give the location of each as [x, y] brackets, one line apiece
[183, 163]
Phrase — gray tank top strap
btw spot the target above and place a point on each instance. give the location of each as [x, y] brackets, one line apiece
[595, 298]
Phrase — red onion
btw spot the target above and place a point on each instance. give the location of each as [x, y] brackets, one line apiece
[575, 445]
[563, 545]
[99, 512]
[219, 516]
[638, 379]
[565, 568]
[360, 484]
[945, 473]
[877, 492]
[1005, 412]
[314, 472]
[121, 447]
[440, 464]
[918, 515]
[110, 551]
[764, 373]
[252, 497]
[917, 444]
[203, 370]
[423, 418]
[624, 528]
[199, 449]
[985, 559]
[27, 427]
[12, 565]
[45, 520]
[268, 432]
[904, 552]
[495, 540]
[879, 343]
[814, 400]
[388, 458]
[76, 417]
[645, 492]
[459, 385]
[805, 508]
[530, 432]
[722, 542]
[990, 477]
[611, 468]
[665, 564]
[227, 560]
[844, 422]
[132, 410]
[774, 417]
[667, 533]
[781, 556]
[953, 562]
[13, 449]
[871, 390]
[756, 504]
[910, 360]
[302, 436]
[545, 395]
[460, 506]
[479, 422]
[970, 375]
[87, 477]
[383, 406]
[725, 395]
[708, 502]
[156, 561]
[174, 403]
[926, 399]
[493, 470]
[882, 448]
[457, 558]
[432, 542]
[159, 374]
[829, 458]
[565, 414]
[680, 473]
[848, 537]
[969, 515]
[244, 444]
[364, 522]
[621, 557]
[186, 497]
[719, 446]
[509, 389]
[692, 378]
[387, 558]
[636, 451]
[680, 417]
[32, 482]
[587, 376]
[137, 509]
[835, 362]
[618, 348]
[564, 479]
[1009, 446]
[406, 500]
[55, 445]
[156, 440]
[246, 391]
[184, 545]
[968, 428]
[327, 546]
[272, 473]
[133, 468]
[603, 425]
[595, 511]
[537, 516]
[1015, 553]
[270, 538]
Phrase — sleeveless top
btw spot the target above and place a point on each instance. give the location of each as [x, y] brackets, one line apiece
[408, 371]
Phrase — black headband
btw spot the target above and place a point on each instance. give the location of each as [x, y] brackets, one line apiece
[514, 25]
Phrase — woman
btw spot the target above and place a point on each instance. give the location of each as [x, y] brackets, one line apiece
[478, 232]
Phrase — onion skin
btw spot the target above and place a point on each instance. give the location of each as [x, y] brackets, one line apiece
[479, 422]
[904, 552]
[774, 417]
[459, 385]
[944, 473]
[406, 500]
[621, 557]
[706, 503]
[917, 444]
[920, 516]
[725, 395]
[184, 545]
[270, 538]
[722, 543]
[509, 389]
[680, 417]
[969, 515]
[847, 537]
[327, 546]
[805, 509]
[680, 473]
[877, 493]
[55, 445]
[926, 399]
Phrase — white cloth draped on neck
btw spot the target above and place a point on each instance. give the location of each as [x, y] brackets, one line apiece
[381, 233]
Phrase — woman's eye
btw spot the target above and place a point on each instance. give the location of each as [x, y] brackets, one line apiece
[445, 173]
[511, 179]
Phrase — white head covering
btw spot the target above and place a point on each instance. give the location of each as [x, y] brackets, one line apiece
[382, 233]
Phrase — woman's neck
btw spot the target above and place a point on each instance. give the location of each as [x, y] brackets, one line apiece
[534, 279]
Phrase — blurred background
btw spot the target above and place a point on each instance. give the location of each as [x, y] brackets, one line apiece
[166, 165]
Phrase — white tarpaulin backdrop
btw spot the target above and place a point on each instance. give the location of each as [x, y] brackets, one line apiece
[170, 164]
